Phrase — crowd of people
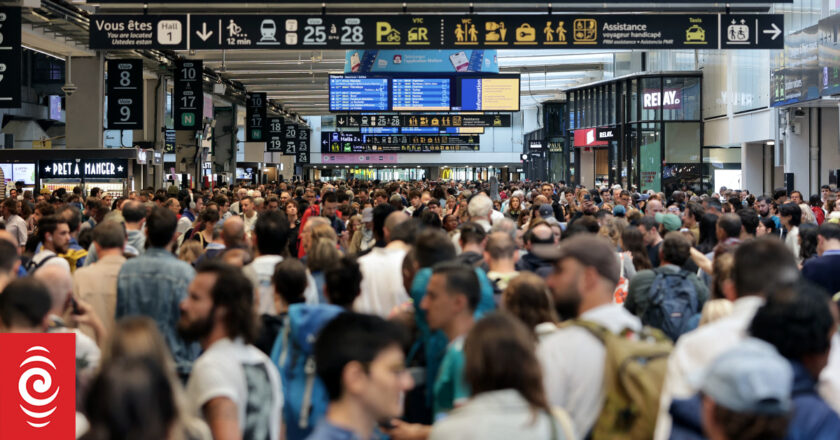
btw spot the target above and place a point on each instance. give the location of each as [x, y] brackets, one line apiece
[435, 310]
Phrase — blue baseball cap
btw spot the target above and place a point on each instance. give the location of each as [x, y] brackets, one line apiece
[619, 211]
[750, 377]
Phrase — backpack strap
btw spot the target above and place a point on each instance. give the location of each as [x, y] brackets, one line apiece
[600, 332]
[36, 266]
[285, 335]
[306, 403]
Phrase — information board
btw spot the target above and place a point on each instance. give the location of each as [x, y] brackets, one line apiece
[358, 93]
[275, 134]
[347, 142]
[489, 94]
[424, 120]
[10, 57]
[189, 94]
[454, 31]
[290, 139]
[420, 94]
[255, 117]
[125, 94]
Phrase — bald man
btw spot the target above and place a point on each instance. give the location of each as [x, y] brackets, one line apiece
[59, 285]
[653, 207]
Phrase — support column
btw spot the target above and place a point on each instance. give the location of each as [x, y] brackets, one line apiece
[86, 106]
[796, 151]
[752, 167]
[151, 136]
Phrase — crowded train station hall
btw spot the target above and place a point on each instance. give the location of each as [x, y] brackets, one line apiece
[412, 220]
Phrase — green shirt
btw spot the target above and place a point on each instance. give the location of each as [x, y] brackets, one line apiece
[450, 386]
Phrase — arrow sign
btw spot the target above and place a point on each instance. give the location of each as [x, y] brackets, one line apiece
[204, 34]
[775, 31]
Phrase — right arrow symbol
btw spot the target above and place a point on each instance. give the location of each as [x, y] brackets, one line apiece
[775, 31]
[205, 34]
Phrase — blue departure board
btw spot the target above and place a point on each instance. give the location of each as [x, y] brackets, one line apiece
[420, 94]
[358, 93]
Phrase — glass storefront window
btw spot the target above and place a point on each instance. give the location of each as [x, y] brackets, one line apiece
[650, 157]
[682, 142]
[651, 98]
[681, 99]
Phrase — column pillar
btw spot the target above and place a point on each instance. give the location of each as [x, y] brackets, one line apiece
[86, 106]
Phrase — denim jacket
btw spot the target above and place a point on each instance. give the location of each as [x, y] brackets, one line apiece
[153, 285]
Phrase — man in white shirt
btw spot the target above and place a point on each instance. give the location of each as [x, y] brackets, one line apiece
[696, 350]
[582, 283]
[249, 214]
[54, 235]
[233, 385]
[14, 223]
[382, 280]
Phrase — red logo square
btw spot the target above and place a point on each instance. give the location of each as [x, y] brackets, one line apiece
[38, 386]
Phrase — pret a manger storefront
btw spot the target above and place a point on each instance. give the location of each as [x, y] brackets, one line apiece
[111, 170]
[641, 130]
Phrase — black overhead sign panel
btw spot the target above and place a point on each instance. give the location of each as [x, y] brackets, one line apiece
[465, 31]
[125, 94]
[138, 32]
[425, 120]
[255, 117]
[189, 94]
[274, 140]
[303, 140]
[10, 53]
[290, 139]
[84, 168]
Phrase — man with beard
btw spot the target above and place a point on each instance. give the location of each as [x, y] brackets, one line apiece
[54, 235]
[585, 274]
[233, 385]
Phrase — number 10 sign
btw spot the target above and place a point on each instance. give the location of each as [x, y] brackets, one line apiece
[125, 94]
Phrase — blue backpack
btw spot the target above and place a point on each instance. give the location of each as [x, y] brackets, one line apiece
[673, 306]
[304, 397]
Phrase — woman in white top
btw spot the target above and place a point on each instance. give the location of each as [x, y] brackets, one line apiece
[508, 400]
[790, 216]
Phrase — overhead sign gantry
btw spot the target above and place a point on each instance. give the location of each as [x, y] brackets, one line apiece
[468, 31]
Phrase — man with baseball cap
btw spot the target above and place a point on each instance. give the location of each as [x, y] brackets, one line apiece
[585, 274]
[671, 222]
[744, 394]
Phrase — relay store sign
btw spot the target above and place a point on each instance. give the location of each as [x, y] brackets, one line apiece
[667, 99]
[85, 168]
[588, 137]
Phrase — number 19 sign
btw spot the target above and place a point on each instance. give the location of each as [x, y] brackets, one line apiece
[125, 94]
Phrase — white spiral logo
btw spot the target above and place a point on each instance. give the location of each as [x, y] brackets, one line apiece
[39, 380]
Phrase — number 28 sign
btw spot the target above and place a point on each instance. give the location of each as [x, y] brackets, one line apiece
[125, 94]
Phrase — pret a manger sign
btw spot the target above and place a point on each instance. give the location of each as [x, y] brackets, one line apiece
[89, 168]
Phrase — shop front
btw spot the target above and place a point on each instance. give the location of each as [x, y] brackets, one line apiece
[643, 131]
[110, 170]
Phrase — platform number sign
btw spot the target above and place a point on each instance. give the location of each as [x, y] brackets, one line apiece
[302, 157]
[189, 94]
[125, 94]
[255, 117]
[10, 57]
[275, 134]
[290, 139]
[303, 140]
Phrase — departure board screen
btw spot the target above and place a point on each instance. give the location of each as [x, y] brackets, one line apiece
[420, 94]
[358, 93]
[489, 94]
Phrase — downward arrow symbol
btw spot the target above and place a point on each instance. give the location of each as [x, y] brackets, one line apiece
[775, 31]
[204, 34]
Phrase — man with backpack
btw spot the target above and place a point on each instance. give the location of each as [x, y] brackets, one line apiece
[588, 360]
[668, 297]
[54, 235]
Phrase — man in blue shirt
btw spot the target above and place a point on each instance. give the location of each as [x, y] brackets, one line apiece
[154, 284]
[823, 269]
[360, 360]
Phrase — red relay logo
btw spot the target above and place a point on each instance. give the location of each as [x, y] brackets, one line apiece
[37, 386]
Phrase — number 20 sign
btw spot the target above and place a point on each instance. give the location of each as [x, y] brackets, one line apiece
[125, 94]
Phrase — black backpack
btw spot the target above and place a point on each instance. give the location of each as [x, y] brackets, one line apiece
[673, 306]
